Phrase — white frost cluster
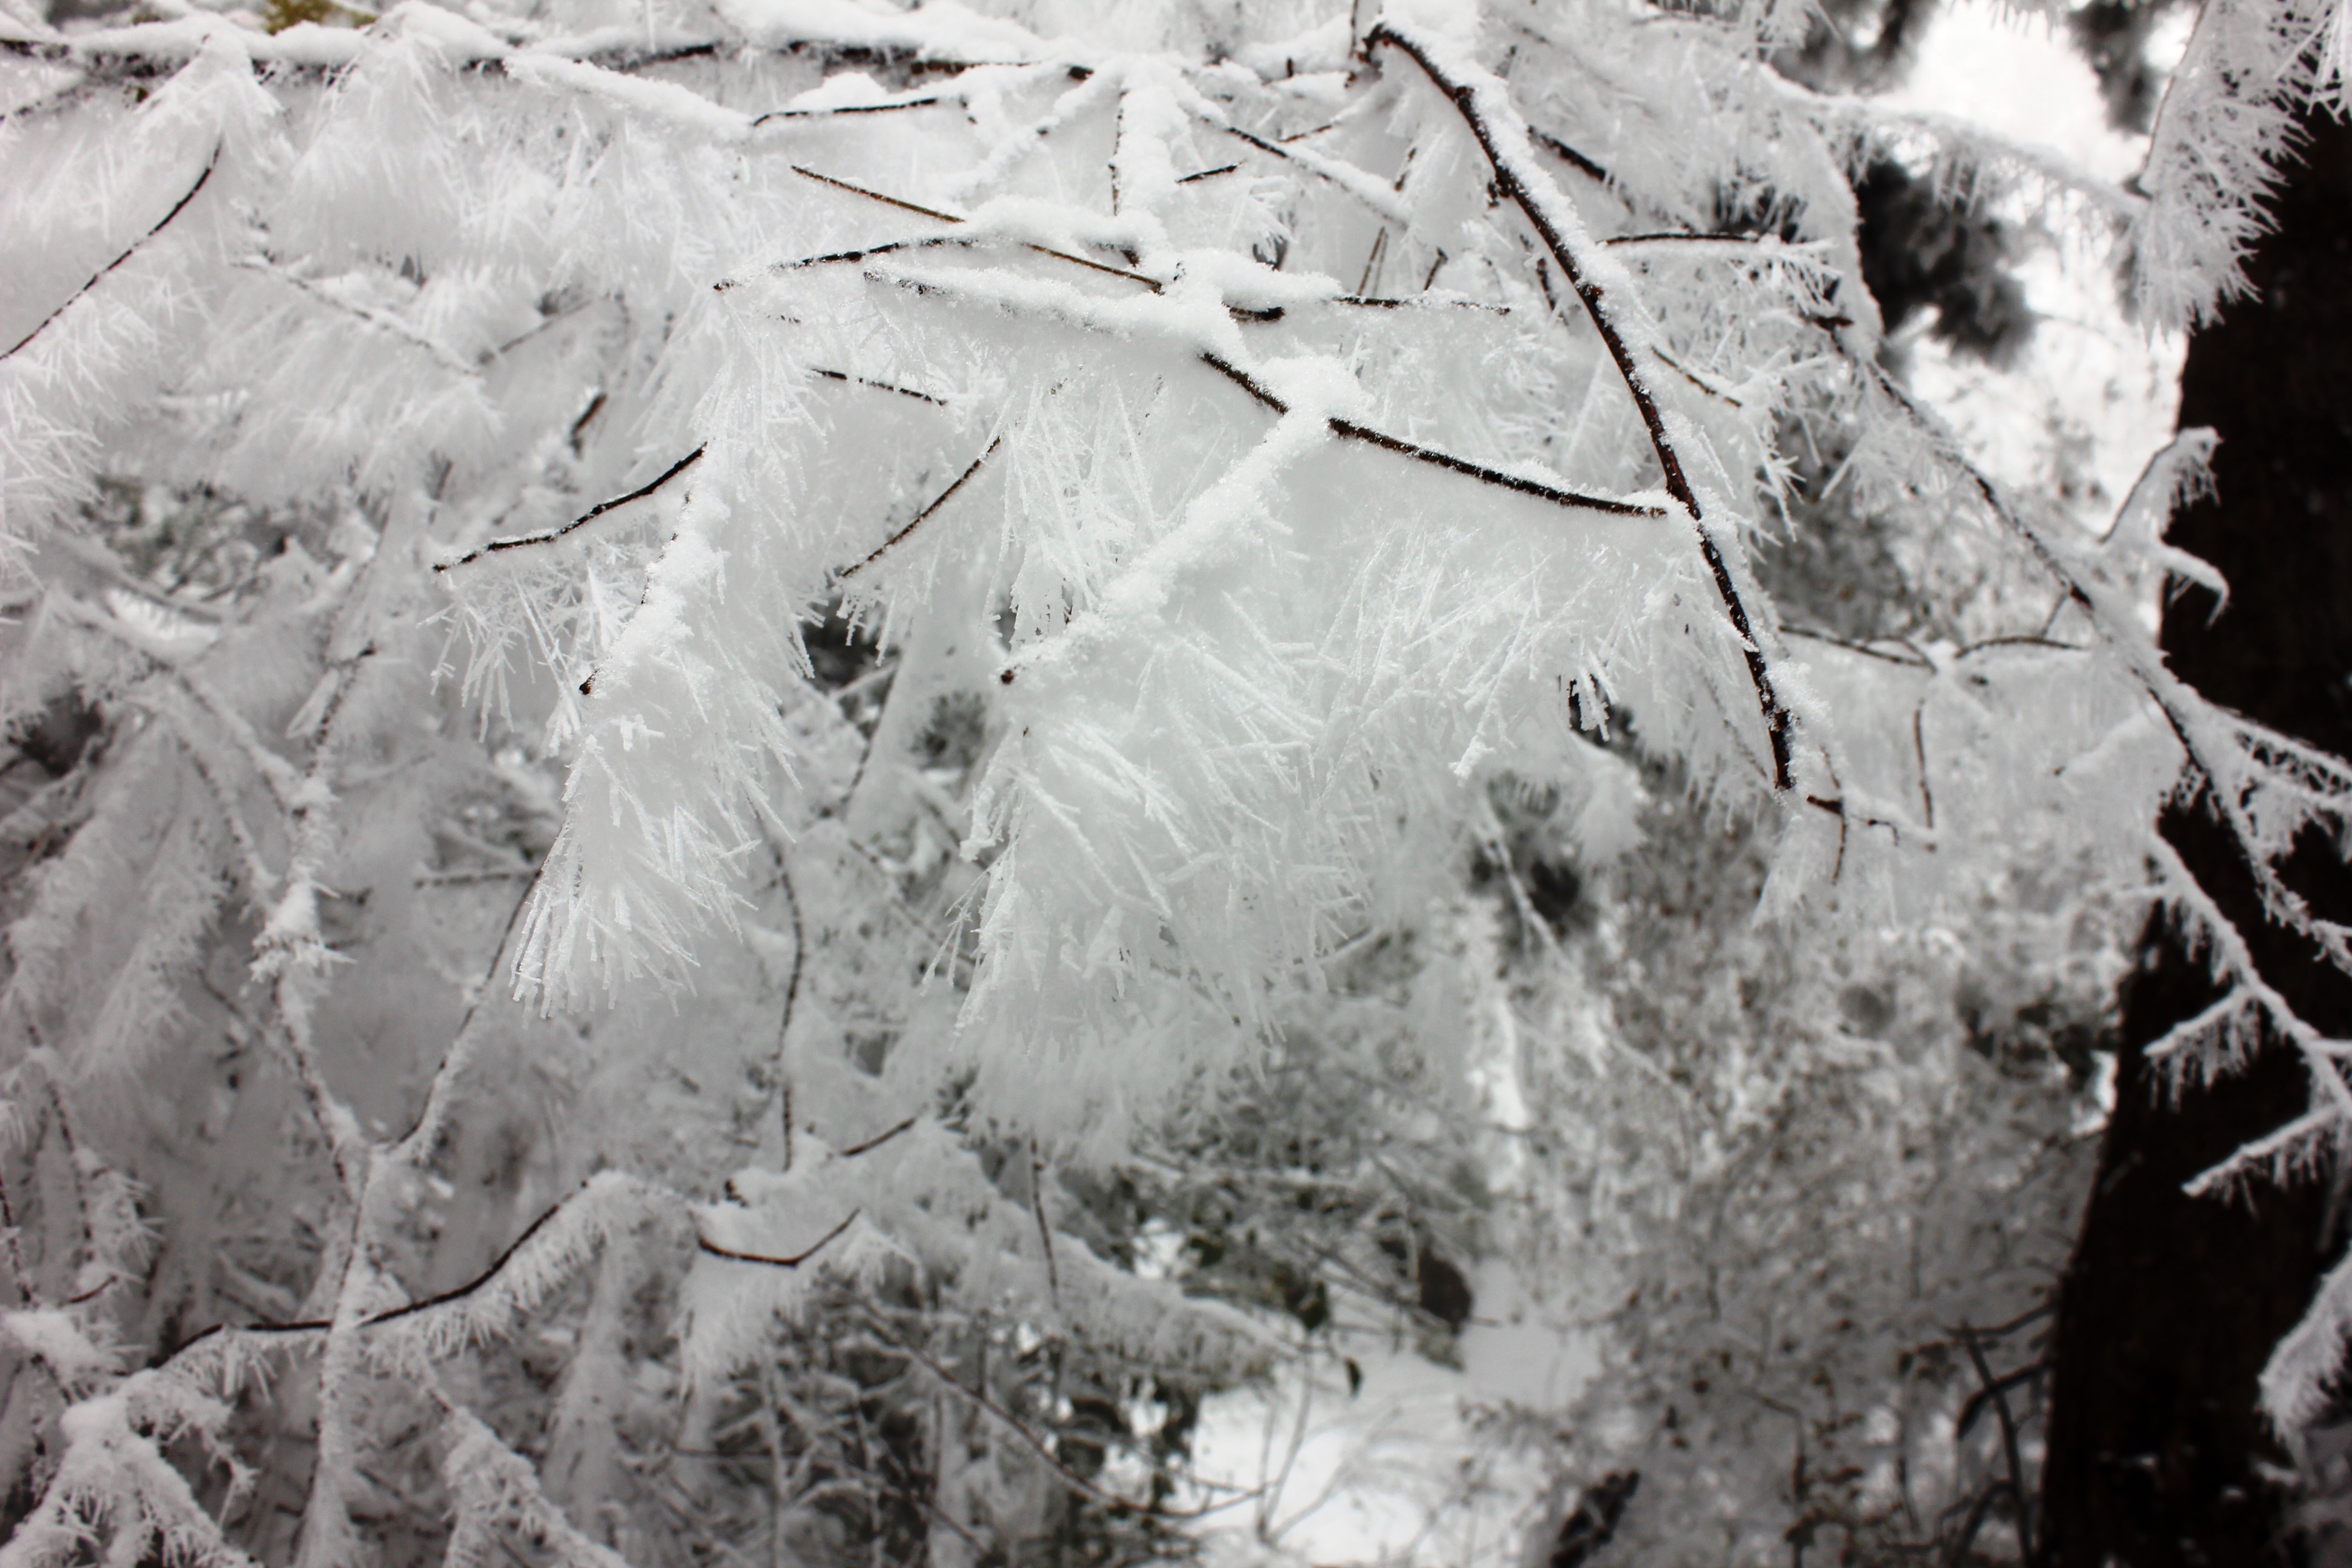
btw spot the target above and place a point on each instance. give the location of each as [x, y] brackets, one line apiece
[1250, 440]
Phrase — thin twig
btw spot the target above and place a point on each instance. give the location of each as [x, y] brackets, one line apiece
[1036, 1444]
[459, 1292]
[944, 1517]
[1978, 1506]
[877, 1140]
[417, 1144]
[8, 1237]
[1373, 262]
[591, 515]
[1570, 156]
[1681, 237]
[1508, 181]
[2031, 1315]
[782, 1070]
[846, 108]
[2020, 641]
[1679, 369]
[1045, 1230]
[1315, 163]
[880, 385]
[705, 1243]
[1349, 430]
[1384, 303]
[891, 544]
[2008, 1442]
[42, 1057]
[1919, 749]
[133, 249]
[929, 242]
[1983, 1397]
[384, 321]
[933, 213]
[1811, 634]
[1117, 135]
[875, 195]
[587, 415]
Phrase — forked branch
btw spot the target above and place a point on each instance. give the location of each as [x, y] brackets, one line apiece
[1484, 107]
[2188, 715]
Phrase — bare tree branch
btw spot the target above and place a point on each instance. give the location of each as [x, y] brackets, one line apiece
[2017, 1489]
[846, 109]
[878, 1138]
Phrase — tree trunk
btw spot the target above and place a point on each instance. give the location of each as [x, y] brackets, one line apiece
[2171, 1304]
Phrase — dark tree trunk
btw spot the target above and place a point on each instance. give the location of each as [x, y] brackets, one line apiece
[2171, 1304]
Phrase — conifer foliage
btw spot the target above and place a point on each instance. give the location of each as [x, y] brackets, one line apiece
[891, 613]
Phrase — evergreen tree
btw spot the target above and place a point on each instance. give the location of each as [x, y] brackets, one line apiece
[2160, 1450]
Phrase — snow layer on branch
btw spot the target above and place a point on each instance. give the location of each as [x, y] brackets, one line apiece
[62, 1342]
[656, 101]
[1320, 646]
[114, 1495]
[116, 997]
[1201, 684]
[498, 1492]
[2296, 1380]
[1223, 519]
[942, 30]
[103, 252]
[540, 1264]
[931, 1202]
[655, 826]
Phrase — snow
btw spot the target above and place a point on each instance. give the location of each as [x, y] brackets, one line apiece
[942, 31]
[1395, 1469]
[852, 90]
[1237, 716]
[58, 1339]
[1398, 1473]
[659, 101]
[1323, 47]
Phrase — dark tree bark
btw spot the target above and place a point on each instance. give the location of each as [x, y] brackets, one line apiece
[2170, 1304]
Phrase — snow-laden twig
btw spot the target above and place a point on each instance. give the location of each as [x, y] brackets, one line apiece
[541, 1261]
[1607, 293]
[2222, 749]
[524, 541]
[128, 252]
[497, 1491]
[384, 321]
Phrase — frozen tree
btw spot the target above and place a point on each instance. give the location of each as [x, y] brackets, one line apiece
[902, 620]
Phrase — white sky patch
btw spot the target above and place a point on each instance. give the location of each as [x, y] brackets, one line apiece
[2092, 392]
[2018, 76]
